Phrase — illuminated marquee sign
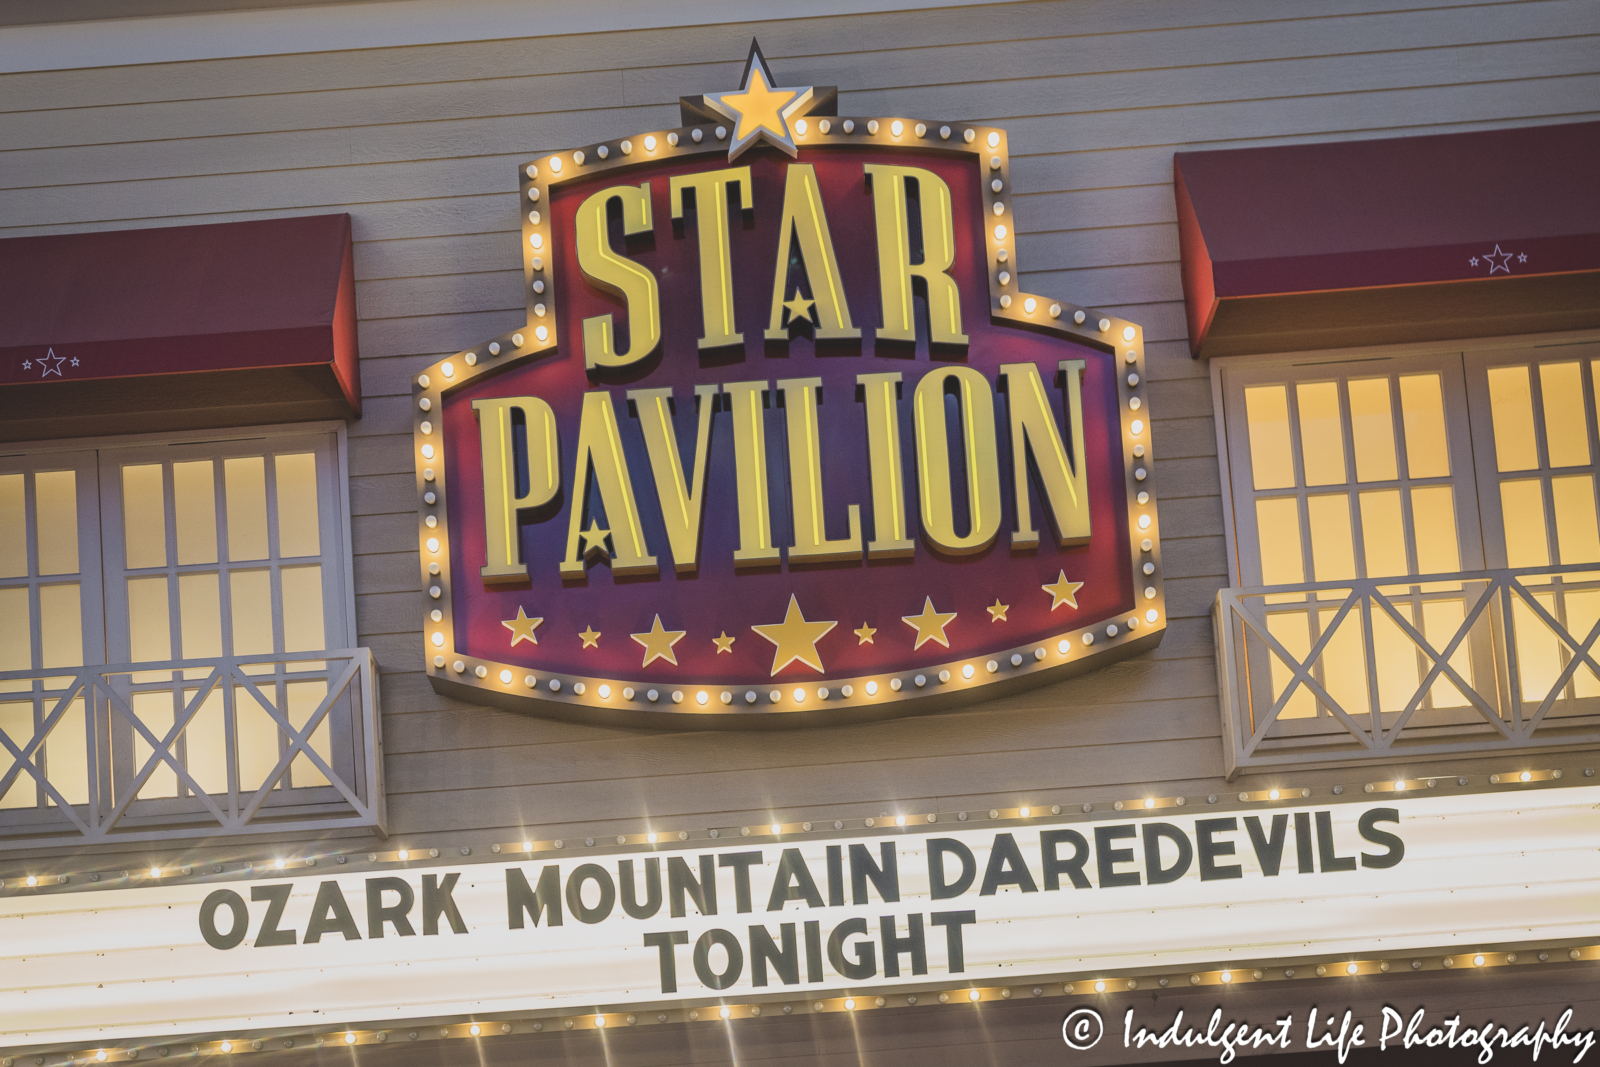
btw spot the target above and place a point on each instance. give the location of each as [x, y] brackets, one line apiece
[781, 436]
[804, 916]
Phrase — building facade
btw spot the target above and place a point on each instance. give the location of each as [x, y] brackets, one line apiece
[349, 697]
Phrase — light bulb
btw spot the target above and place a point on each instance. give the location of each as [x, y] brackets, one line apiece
[872, 689]
[155, 872]
[527, 846]
[350, 1039]
[966, 672]
[1352, 969]
[650, 143]
[700, 697]
[1099, 987]
[505, 677]
[974, 995]
[1526, 776]
[32, 880]
[279, 864]
[599, 1020]
[473, 1030]
[1149, 802]
[1400, 787]
[433, 544]
[650, 838]
[1000, 233]
[899, 820]
[226, 1046]
[1227, 976]
[775, 828]
[1272, 794]
[403, 854]
[849, 1005]
[897, 127]
[725, 1012]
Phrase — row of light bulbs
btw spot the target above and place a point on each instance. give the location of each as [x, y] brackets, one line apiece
[848, 1003]
[780, 829]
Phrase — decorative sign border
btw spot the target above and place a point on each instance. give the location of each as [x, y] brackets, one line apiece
[1071, 651]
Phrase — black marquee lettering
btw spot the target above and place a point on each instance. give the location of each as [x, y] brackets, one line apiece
[1209, 848]
[208, 919]
[681, 882]
[813, 930]
[669, 961]
[521, 900]
[1269, 850]
[629, 893]
[437, 901]
[1006, 867]
[702, 959]
[865, 965]
[938, 848]
[330, 915]
[741, 862]
[1331, 860]
[1392, 842]
[895, 946]
[397, 913]
[277, 897]
[1106, 858]
[955, 949]
[786, 961]
[885, 876]
[1054, 866]
[793, 881]
[1303, 845]
[590, 872]
[1154, 834]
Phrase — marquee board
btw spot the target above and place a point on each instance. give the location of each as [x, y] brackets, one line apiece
[781, 440]
[800, 915]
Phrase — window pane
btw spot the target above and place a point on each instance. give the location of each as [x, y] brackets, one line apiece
[1372, 430]
[155, 711]
[1293, 630]
[61, 625]
[1577, 539]
[252, 612]
[1522, 514]
[56, 504]
[1278, 533]
[67, 755]
[1396, 658]
[206, 743]
[1344, 672]
[1321, 433]
[1583, 610]
[1440, 621]
[194, 498]
[16, 637]
[257, 736]
[302, 609]
[1566, 424]
[1538, 649]
[13, 528]
[149, 625]
[1422, 403]
[1333, 550]
[298, 532]
[16, 722]
[246, 479]
[144, 516]
[1511, 410]
[200, 616]
[1271, 457]
[1433, 517]
[1383, 533]
[304, 697]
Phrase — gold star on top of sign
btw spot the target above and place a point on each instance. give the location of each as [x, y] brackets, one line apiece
[594, 540]
[658, 642]
[758, 110]
[865, 632]
[724, 643]
[799, 309]
[930, 624]
[1062, 591]
[591, 637]
[796, 638]
[997, 611]
[522, 627]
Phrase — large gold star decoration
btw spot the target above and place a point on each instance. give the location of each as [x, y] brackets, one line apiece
[796, 638]
[997, 611]
[930, 624]
[1062, 592]
[658, 643]
[865, 632]
[724, 643]
[522, 627]
[759, 111]
[591, 637]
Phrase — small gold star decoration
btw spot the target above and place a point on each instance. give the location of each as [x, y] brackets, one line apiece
[865, 632]
[799, 309]
[658, 642]
[796, 638]
[724, 643]
[997, 611]
[522, 627]
[591, 637]
[594, 540]
[930, 624]
[1062, 592]
[759, 110]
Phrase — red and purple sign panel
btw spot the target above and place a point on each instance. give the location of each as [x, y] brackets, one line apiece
[781, 438]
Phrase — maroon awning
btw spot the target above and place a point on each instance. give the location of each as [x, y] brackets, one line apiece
[186, 326]
[1404, 239]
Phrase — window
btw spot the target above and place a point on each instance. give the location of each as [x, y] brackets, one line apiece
[1410, 532]
[212, 575]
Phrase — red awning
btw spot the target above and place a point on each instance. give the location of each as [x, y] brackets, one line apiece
[1404, 239]
[185, 326]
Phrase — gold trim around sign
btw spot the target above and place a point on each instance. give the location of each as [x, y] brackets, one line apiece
[677, 702]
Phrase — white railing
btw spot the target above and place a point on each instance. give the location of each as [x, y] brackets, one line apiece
[188, 748]
[1394, 668]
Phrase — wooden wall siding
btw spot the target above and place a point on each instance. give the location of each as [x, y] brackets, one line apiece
[420, 145]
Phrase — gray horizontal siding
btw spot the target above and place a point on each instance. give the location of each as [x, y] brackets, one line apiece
[420, 145]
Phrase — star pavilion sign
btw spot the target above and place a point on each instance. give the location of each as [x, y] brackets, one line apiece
[781, 436]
